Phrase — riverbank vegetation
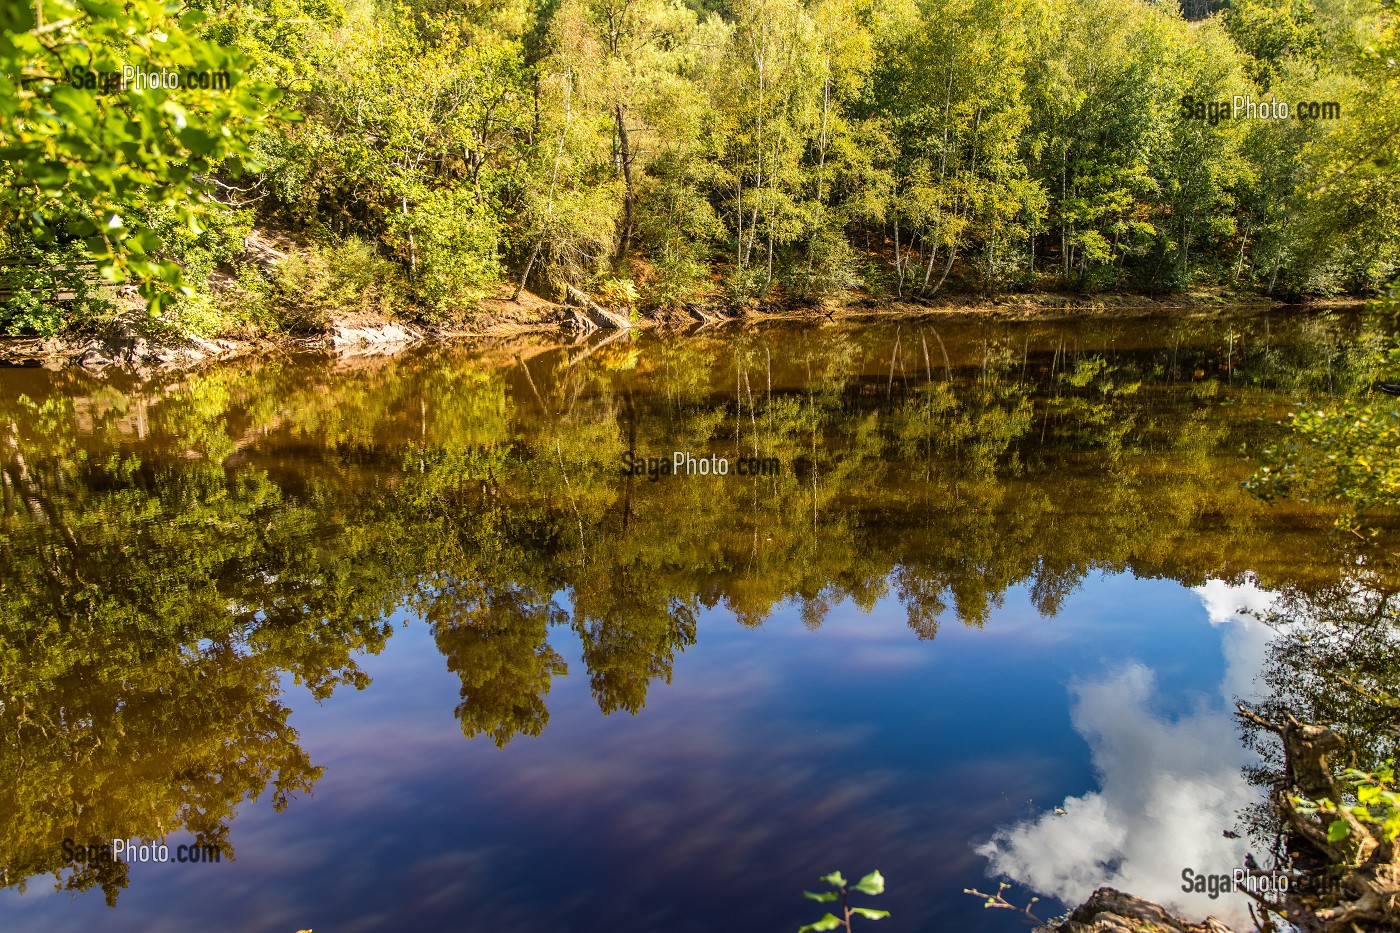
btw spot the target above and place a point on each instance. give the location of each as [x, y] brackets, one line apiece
[408, 159]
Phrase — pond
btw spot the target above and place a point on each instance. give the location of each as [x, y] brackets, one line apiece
[649, 633]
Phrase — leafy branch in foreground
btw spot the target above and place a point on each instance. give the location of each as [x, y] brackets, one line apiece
[873, 883]
[999, 900]
[1377, 802]
[96, 165]
[1346, 866]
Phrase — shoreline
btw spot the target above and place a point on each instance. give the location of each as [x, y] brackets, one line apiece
[128, 343]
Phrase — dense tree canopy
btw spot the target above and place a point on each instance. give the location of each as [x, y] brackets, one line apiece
[661, 153]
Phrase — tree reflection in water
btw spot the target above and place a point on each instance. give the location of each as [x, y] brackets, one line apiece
[174, 548]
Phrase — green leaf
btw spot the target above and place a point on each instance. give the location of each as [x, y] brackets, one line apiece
[873, 883]
[1338, 831]
[822, 897]
[835, 878]
[827, 922]
[197, 141]
[869, 913]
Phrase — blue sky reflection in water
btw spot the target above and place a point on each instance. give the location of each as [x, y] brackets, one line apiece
[987, 586]
[774, 755]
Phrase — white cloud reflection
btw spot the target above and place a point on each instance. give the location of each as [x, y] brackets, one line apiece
[1168, 787]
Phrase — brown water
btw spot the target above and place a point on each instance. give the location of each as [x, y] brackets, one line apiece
[413, 645]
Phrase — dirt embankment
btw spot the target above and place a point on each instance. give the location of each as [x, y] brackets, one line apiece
[125, 343]
[133, 342]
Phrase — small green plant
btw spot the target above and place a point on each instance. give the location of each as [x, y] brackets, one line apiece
[873, 883]
[680, 279]
[1377, 803]
[617, 293]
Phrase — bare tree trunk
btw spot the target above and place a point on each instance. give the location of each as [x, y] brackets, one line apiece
[412, 246]
[739, 244]
[529, 264]
[928, 270]
[898, 265]
[628, 195]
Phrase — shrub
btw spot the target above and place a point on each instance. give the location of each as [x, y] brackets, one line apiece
[680, 280]
[829, 271]
[348, 277]
[46, 291]
[448, 241]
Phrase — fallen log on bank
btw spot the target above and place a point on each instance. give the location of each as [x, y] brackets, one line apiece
[600, 316]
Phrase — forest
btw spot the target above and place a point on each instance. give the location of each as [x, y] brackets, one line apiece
[411, 159]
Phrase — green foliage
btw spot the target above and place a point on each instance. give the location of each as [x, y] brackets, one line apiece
[451, 240]
[1271, 33]
[617, 293]
[44, 291]
[200, 253]
[1347, 451]
[82, 163]
[346, 278]
[873, 883]
[1377, 804]
[677, 280]
[762, 151]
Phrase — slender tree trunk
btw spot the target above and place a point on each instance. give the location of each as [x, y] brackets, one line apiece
[898, 265]
[412, 246]
[760, 62]
[928, 270]
[821, 175]
[553, 181]
[1064, 232]
[739, 243]
[524, 276]
[753, 221]
[628, 195]
[952, 254]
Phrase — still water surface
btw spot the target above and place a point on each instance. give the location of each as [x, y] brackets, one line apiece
[406, 640]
